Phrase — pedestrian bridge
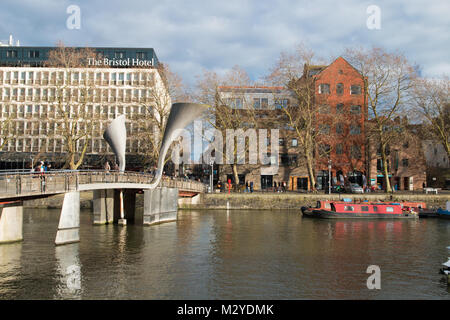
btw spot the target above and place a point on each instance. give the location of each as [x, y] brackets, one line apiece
[114, 198]
[26, 186]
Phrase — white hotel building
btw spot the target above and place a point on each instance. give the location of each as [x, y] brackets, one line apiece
[28, 104]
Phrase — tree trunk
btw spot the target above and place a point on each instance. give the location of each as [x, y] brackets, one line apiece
[309, 166]
[385, 169]
[236, 177]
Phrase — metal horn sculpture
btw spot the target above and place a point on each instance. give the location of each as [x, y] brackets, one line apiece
[116, 136]
[180, 116]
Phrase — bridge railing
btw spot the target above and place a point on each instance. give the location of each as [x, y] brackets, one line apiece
[57, 181]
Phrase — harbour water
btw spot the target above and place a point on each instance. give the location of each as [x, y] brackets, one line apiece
[223, 254]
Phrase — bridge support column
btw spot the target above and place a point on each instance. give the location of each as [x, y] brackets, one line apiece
[103, 206]
[11, 221]
[160, 205]
[124, 201]
[69, 221]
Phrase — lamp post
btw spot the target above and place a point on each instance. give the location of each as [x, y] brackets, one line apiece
[211, 175]
[329, 176]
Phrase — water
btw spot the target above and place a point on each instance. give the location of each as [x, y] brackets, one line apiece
[220, 255]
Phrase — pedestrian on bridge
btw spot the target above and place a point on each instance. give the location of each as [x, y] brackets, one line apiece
[107, 166]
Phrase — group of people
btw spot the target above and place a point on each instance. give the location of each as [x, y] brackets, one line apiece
[41, 167]
[279, 186]
[108, 167]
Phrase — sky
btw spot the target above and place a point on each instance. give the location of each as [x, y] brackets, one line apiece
[193, 35]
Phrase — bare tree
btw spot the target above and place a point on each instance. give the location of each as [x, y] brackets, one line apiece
[73, 122]
[432, 104]
[229, 111]
[292, 72]
[388, 82]
[158, 104]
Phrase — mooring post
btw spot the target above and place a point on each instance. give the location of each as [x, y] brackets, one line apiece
[122, 220]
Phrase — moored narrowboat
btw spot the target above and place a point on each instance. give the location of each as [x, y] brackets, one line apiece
[343, 209]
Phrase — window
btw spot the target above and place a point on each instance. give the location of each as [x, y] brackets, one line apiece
[364, 208]
[340, 88]
[389, 209]
[294, 142]
[339, 148]
[355, 89]
[339, 128]
[324, 150]
[141, 55]
[375, 208]
[355, 152]
[324, 129]
[324, 109]
[406, 145]
[33, 54]
[256, 103]
[324, 88]
[264, 103]
[349, 208]
[405, 162]
[119, 54]
[355, 109]
[355, 129]
[281, 142]
[11, 53]
[281, 103]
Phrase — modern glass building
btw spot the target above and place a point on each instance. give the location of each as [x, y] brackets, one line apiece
[13, 56]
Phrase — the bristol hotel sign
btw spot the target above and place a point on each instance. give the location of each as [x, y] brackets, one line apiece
[128, 62]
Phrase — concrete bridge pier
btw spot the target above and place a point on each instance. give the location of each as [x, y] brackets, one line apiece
[103, 206]
[69, 221]
[11, 222]
[160, 205]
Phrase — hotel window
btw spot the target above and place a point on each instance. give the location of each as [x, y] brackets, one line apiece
[33, 54]
[121, 76]
[294, 142]
[339, 128]
[324, 88]
[128, 76]
[256, 103]
[119, 54]
[113, 77]
[355, 129]
[340, 108]
[11, 53]
[141, 55]
[339, 149]
[340, 88]
[355, 109]
[355, 89]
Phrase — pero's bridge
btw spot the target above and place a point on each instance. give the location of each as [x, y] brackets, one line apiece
[19, 186]
[114, 198]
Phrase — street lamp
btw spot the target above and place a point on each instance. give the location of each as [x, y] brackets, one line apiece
[329, 176]
[211, 175]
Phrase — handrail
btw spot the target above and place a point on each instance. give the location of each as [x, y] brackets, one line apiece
[58, 181]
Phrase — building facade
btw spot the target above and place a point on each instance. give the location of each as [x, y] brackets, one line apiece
[35, 99]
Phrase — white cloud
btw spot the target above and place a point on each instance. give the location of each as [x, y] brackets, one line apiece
[191, 35]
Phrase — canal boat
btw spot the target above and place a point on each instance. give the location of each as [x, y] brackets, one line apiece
[347, 209]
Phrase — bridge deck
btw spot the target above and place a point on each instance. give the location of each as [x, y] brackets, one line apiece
[32, 185]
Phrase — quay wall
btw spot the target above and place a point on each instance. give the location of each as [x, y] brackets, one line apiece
[258, 201]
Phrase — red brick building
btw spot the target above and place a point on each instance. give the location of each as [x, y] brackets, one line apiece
[341, 115]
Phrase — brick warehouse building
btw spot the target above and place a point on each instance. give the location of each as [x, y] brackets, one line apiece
[341, 115]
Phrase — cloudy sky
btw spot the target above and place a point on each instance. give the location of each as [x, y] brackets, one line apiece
[192, 35]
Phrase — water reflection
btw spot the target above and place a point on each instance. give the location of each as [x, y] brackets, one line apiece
[228, 254]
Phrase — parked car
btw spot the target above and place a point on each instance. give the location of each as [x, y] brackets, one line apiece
[354, 188]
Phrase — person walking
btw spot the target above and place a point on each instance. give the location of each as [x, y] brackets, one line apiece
[251, 186]
[107, 166]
